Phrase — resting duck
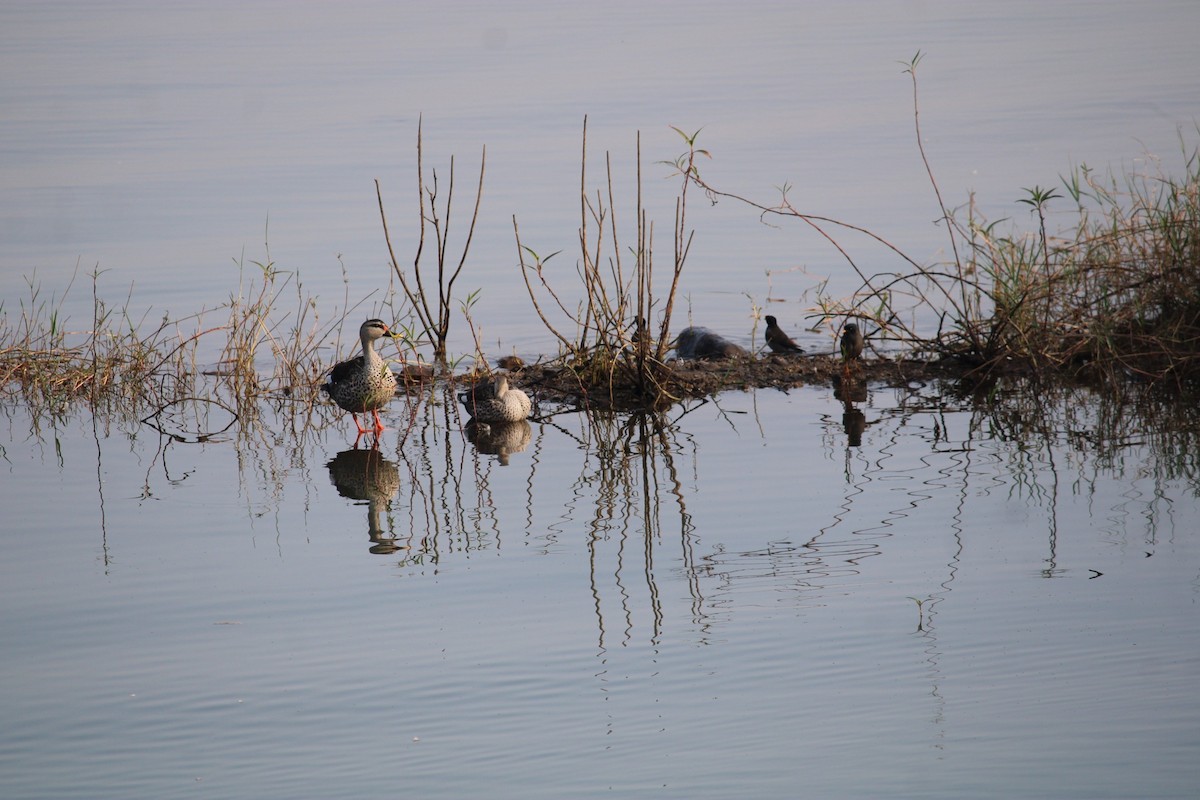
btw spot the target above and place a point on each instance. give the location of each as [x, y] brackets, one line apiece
[496, 401]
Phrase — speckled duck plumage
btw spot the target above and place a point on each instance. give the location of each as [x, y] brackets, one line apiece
[496, 401]
[364, 383]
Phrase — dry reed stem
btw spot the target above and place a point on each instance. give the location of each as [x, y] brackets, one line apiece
[434, 321]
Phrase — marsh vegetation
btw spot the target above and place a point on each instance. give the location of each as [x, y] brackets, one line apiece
[1108, 295]
[213, 584]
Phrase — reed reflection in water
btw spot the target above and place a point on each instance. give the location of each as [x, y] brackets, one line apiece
[637, 475]
[627, 585]
[639, 509]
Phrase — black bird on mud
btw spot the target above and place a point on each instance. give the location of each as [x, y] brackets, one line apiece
[701, 343]
[852, 342]
[777, 340]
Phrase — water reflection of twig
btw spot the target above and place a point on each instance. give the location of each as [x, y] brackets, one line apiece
[634, 458]
[100, 493]
[448, 464]
[432, 482]
[1029, 423]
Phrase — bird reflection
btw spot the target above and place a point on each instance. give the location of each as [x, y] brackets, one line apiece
[499, 438]
[851, 389]
[367, 475]
[854, 422]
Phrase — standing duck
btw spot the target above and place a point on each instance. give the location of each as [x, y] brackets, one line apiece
[496, 401]
[778, 341]
[365, 383]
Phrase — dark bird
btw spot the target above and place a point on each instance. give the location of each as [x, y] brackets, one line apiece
[364, 383]
[697, 342]
[496, 401]
[852, 342]
[778, 341]
[513, 363]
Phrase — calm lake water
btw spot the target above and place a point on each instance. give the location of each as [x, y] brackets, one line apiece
[732, 600]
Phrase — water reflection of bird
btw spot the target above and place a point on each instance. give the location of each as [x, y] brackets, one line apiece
[496, 401]
[852, 342]
[778, 341]
[499, 438]
[697, 342]
[367, 475]
[364, 383]
[854, 422]
[849, 388]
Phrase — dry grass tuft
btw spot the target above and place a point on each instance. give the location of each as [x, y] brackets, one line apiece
[614, 339]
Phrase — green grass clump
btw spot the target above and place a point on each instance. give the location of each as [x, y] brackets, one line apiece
[1115, 293]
